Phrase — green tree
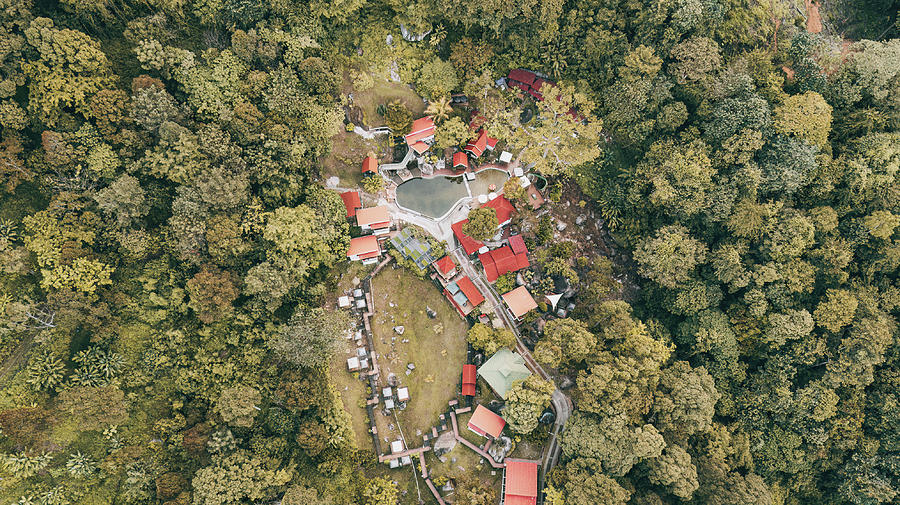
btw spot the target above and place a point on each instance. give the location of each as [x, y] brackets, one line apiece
[436, 78]
[452, 133]
[525, 401]
[211, 294]
[563, 134]
[686, 399]
[587, 484]
[670, 257]
[398, 118]
[490, 340]
[674, 471]
[239, 405]
[94, 408]
[836, 310]
[566, 341]
[611, 440]
[380, 491]
[806, 116]
[235, 479]
[482, 224]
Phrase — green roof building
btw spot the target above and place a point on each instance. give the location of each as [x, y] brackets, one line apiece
[502, 369]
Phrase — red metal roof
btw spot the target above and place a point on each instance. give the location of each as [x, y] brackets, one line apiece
[503, 207]
[460, 160]
[469, 374]
[468, 389]
[491, 143]
[500, 261]
[485, 422]
[445, 265]
[521, 482]
[419, 147]
[523, 76]
[518, 244]
[364, 247]
[469, 244]
[370, 165]
[468, 288]
[373, 217]
[538, 83]
[422, 129]
[519, 301]
[490, 267]
[477, 146]
[351, 202]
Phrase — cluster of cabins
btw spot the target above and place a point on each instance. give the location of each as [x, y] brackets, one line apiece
[374, 222]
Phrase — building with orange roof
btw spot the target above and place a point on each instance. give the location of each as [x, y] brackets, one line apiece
[422, 131]
[460, 160]
[486, 423]
[374, 219]
[445, 267]
[519, 302]
[352, 202]
[419, 147]
[370, 166]
[478, 145]
[520, 482]
[365, 249]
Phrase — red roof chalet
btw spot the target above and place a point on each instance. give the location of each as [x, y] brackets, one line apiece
[460, 160]
[364, 248]
[468, 243]
[351, 202]
[422, 131]
[520, 482]
[523, 76]
[502, 260]
[486, 423]
[445, 266]
[370, 165]
[469, 375]
[517, 243]
[503, 207]
[477, 146]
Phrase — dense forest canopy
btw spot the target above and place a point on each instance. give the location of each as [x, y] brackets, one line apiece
[166, 242]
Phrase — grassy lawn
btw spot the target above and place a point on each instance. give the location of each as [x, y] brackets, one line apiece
[353, 394]
[436, 347]
[382, 93]
[345, 160]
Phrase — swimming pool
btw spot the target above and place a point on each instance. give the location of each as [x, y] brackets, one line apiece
[434, 197]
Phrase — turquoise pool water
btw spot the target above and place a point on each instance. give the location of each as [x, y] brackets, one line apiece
[434, 197]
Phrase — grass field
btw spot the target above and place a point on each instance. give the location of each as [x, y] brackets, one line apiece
[436, 347]
[385, 92]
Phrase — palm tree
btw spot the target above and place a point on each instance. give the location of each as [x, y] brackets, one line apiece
[440, 109]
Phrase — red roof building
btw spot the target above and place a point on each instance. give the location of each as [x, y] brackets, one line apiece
[491, 143]
[517, 243]
[351, 202]
[463, 294]
[370, 165]
[468, 243]
[503, 207]
[419, 147]
[422, 131]
[364, 248]
[486, 423]
[519, 301]
[502, 260]
[377, 219]
[469, 375]
[523, 76]
[520, 482]
[460, 160]
[446, 267]
[476, 146]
